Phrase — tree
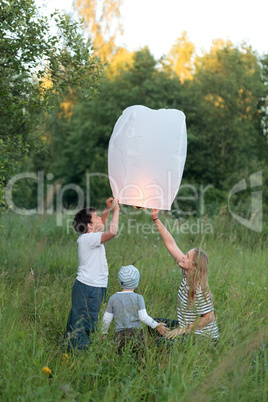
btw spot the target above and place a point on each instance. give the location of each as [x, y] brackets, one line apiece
[181, 57]
[83, 142]
[102, 20]
[224, 105]
[37, 69]
[223, 115]
[121, 60]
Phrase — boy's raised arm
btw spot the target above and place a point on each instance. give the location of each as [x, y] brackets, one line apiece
[105, 214]
[170, 243]
[113, 227]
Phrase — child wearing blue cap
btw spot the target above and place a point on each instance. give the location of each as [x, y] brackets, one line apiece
[128, 310]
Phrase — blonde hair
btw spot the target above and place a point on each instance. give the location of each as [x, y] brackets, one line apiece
[199, 275]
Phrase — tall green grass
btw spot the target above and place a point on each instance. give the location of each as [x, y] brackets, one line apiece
[38, 268]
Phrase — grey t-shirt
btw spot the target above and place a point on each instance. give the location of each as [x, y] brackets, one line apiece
[125, 306]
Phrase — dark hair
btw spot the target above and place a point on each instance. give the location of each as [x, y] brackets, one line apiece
[82, 218]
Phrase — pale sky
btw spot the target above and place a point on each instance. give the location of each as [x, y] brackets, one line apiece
[158, 23]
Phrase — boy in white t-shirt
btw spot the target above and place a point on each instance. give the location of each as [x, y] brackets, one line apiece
[92, 277]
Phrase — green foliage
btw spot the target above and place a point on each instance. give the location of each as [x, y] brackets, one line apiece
[80, 146]
[37, 69]
[38, 268]
[180, 58]
[226, 113]
[223, 116]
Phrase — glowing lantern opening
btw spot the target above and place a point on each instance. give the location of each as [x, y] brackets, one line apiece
[146, 156]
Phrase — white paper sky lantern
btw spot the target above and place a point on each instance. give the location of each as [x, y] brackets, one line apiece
[146, 156]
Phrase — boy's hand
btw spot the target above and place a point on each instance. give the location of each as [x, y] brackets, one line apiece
[161, 328]
[103, 337]
[115, 204]
[155, 213]
[109, 203]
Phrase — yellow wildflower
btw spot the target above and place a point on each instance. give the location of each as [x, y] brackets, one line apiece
[65, 359]
[47, 371]
[65, 356]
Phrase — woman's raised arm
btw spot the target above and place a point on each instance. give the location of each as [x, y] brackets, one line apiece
[168, 239]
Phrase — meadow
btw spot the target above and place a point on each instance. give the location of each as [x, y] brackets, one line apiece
[38, 268]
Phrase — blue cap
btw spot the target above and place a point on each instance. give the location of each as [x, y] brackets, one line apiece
[129, 277]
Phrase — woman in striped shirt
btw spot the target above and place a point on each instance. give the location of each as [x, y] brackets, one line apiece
[195, 307]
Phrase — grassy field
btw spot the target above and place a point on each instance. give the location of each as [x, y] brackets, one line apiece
[38, 269]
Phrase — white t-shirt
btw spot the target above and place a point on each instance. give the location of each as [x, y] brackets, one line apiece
[93, 267]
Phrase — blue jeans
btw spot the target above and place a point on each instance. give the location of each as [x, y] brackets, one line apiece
[83, 317]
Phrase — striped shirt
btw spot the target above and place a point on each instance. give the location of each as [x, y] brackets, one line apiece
[202, 304]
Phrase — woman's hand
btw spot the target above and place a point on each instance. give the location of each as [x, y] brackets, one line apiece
[174, 333]
[155, 213]
[161, 328]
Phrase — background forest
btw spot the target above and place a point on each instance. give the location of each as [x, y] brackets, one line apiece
[223, 94]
